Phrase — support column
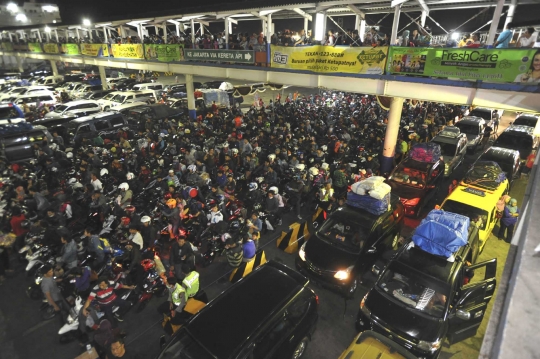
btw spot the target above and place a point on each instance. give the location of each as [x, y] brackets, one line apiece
[90, 34]
[495, 22]
[391, 136]
[105, 37]
[306, 24]
[423, 18]
[362, 30]
[227, 32]
[56, 35]
[39, 36]
[20, 65]
[122, 32]
[103, 76]
[53, 67]
[191, 97]
[192, 23]
[78, 34]
[510, 14]
[165, 32]
[269, 27]
[395, 24]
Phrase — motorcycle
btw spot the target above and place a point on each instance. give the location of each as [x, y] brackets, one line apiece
[153, 283]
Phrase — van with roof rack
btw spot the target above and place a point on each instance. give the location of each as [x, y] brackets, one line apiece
[453, 147]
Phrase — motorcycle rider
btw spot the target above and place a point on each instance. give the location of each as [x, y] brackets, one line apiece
[181, 253]
[296, 187]
[148, 231]
[135, 235]
[52, 293]
[132, 255]
[174, 217]
[125, 196]
[94, 246]
[68, 254]
[192, 178]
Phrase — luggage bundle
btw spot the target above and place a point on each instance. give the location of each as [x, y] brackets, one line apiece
[429, 152]
[15, 128]
[372, 195]
[486, 174]
[442, 233]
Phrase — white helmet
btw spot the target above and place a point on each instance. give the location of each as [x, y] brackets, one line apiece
[130, 176]
[225, 237]
[123, 186]
[300, 167]
[69, 155]
[324, 148]
[253, 186]
[271, 157]
[103, 172]
[314, 171]
[234, 151]
[145, 219]
[274, 189]
[325, 166]
[72, 181]
[192, 168]
[53, 146]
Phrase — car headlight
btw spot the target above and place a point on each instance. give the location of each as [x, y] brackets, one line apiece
[302, 252]
[429, 346]
[343, 274]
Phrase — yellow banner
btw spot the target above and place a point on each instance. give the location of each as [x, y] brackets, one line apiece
[51, 48]
[319, 58]
[95, 50]
[128, 51]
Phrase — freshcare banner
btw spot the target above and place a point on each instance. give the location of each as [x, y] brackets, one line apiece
[95, 50]
[34, 47]
[128, 51]
[165, 53]
[70, 49]
[491, 65]
[7, 46]
[319, 58]
[51, 48]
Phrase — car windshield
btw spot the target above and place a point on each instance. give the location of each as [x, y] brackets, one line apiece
[475, 214]
[345, 233]
[448, 149]
[119, 98]
[183, 346]
[409, 175]
[19, 90]
[70, 87]
[60, 108]
[529, 121]
[8, 112]
[508, 140]
[468, 129]
[485, 114]
[109, 96]
[425, 296]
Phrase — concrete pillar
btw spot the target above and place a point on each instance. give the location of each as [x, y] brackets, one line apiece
[122, 33]
[495, 22]
[78, 34]
[53, 67]
[10, 38]
[269, 27]
[56, 35]
[423, 18]
[165, 32]
[306, 24]
[90, 34]
[192, 23]
[105, 37]
[511, 11]
[39, 36]
[395, 24]
[227, 32]
[191, 97]
[362, 30]
[20, 64]
[103, 76]
[391, 136]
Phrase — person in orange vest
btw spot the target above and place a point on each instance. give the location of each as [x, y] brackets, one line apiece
[238, 121]
[529, 163]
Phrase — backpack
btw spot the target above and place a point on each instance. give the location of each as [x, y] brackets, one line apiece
[104, 244]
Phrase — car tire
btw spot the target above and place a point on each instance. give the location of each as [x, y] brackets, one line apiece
[300, 348]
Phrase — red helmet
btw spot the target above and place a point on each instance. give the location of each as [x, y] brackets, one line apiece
[168, 195]
[148, 264]
[233, 134]
[125, 221]
[193, 192]
[239, 136]
[130, 209]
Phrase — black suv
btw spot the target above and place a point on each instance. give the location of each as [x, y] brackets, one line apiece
[105, 124]
[349, 242]
[420, 298]
[271, 313]
[17, 146]
[520, 138]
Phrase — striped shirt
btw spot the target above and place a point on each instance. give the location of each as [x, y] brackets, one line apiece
[105, 296]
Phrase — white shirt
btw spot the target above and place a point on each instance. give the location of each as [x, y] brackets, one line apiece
[137, 238]
[216, 217]
[97, 185]
[524, 42]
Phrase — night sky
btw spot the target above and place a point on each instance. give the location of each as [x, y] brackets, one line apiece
[72, 11]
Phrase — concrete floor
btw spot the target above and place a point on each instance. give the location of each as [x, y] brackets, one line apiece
[24, 335]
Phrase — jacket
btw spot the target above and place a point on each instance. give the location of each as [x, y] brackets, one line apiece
[191, 283]
[69, 254]
[177, 252]
[507, 218]
[177, 296]
[94, 245]
[235, 255]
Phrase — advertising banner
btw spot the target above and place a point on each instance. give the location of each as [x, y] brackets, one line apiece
[239, 56]
[95, 50]
[7, 46]
[70, 49]
[20, 47]
[491, 65]
[127, 51]
[165, 53]
[51, 48]
[319, 58]
[34, 47]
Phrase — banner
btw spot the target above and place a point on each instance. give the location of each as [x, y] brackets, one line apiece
[128, 51]
[7, 46]
[70, 49]
[95, 50]
[236, 56]
[20, 47]
[165, 53]
[492, 65]
[34, 47]
[51, 48]
[319, 58]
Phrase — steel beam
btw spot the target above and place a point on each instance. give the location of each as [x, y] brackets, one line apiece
[303, 14]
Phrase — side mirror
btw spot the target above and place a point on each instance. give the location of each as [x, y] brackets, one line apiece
[461, 314]
[375, 270]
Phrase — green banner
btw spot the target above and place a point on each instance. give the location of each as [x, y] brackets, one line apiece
[240, 56]
[165, 53]
[491, 65]
[51, 48]
[34, 47]
[70, 49]
[7, 46]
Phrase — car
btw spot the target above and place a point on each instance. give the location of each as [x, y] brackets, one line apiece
[48, 80]
[506, 158]
[81, 91]
[26, 90]
[156, 112]
[212, 84]
[369, 344]
[526, 119]
[105, 124]
[473, 128]
[416, 183]
[57, 124]
[519, 138]
[9, 111]
[117, 98]
[148, 86]
[74, 87]
[347, 244]
[75, 108]
[174, 88]
[96, 95]
[453, 145]
[278, 325]
[421, 299]
[125, 108]
[486, 113]
[17, 146]
[125, 84]
[476, 197]
[34, 98]
[180, 103]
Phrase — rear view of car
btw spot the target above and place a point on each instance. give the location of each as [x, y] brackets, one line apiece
[369, 344]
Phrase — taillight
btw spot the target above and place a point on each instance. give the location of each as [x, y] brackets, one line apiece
[317, 299]
[411, 202]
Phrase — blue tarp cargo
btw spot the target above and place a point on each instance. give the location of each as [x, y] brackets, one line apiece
[368, 203]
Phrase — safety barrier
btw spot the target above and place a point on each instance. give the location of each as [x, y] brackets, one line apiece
[247, 267]
[294, 238]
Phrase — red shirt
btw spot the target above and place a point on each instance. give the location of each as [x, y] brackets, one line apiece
[16, 225]
[104, 296]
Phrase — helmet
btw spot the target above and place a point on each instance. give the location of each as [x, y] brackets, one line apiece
[271, 157]
[324, 148]
[234, 151]
[103, 172]
[234, 225]
[53, 146]
[69, 155]
[253, 186]
[225, 237]
[193, 192]
[130, 176]
[123, 186]
[274, 189]
[125, 221]
[192, 168]
[170, 183]
[145, 219]
[187, 131]
[148, 264]
[168, 195]
[72, 181]
[314, 171]
[130, 209]
[171, 203]
[325, 166]
[300, 167]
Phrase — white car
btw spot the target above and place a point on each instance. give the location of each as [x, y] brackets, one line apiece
[33, 99]
[117, 98]
[76, 108]
[18, 91]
